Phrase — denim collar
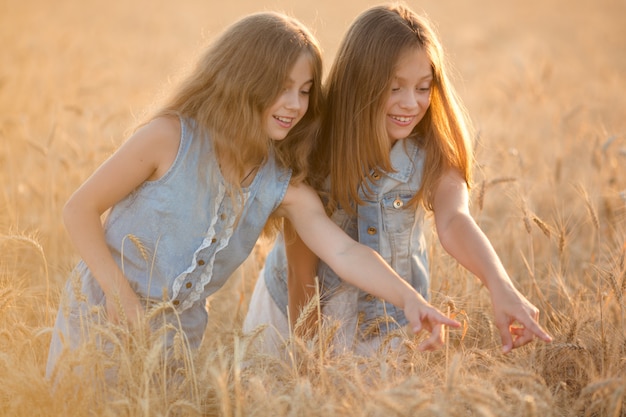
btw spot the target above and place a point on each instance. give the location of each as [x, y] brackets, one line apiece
[403, 157]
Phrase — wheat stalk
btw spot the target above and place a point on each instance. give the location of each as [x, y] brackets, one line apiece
[143, 251]
[319, 322]
[481, 194]
[32, 241]
[307, 311]
[501, 180]
[590, 209]
[526, 218]
[542, 226]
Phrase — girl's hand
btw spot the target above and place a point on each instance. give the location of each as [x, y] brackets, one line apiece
[516, 319]
[125, 309]
[434, 341]
[422, 315]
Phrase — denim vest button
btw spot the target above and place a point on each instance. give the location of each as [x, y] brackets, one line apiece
[176, 302]
[371, 230]
[223, 216]
[213, 240]
[188, 285]
[376, 175]
[200, 262]
[397, 203]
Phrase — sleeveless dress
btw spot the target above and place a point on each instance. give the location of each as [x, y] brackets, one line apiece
[176, 239]
[386, 224]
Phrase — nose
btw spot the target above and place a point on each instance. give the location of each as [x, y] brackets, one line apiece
[409, 100]
[292, 100]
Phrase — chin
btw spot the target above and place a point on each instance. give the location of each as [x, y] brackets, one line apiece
[278, 137]
[400, 135]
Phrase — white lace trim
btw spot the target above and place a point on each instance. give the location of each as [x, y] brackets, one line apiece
[207, 274]
[205, 278]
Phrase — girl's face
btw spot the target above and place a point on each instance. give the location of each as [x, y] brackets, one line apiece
[409, 97]
[293, 101]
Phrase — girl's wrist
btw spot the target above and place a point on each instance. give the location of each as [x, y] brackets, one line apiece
[498, 282]
[414, 298]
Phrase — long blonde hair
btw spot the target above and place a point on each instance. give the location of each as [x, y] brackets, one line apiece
[240, 76]
[353, 142]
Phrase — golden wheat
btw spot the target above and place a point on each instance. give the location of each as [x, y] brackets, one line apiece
[79, 75]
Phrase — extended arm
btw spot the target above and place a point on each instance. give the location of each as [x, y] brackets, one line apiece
[462, 238]
[355, 263]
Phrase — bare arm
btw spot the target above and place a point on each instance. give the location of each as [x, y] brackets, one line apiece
[355, 263]
[462, 238]
[145, 155]
[301, 272]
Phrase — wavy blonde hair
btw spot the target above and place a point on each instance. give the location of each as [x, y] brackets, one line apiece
[353, 142]
[237, 79]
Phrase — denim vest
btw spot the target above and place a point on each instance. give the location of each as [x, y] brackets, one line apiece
[178, 239]
[386, 224]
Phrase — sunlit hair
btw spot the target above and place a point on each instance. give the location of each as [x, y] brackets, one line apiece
[354, 143]
[237, 79]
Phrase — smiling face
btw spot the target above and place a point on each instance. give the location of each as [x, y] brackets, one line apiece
[293, 101]
[409, 97]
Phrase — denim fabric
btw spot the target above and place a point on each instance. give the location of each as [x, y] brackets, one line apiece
[176, 239]
[386, 224]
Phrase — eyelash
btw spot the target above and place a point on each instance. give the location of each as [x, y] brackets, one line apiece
[423, 89]
[306, 93]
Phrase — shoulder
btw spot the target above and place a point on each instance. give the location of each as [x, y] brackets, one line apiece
[451, 178]
[299, 191]
[298, 197]
[160, 138]
[163, 129]
[451, 194]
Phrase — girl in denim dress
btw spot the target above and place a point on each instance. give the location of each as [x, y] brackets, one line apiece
[191, 191]
[394, 144]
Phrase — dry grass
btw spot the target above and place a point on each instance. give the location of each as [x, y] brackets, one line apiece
[544, 82]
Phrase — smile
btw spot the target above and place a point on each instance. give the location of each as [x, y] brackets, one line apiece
[284, 121]
[403, 120]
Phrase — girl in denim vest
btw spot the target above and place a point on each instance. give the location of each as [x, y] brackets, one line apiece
[192, 189]
[394, 143]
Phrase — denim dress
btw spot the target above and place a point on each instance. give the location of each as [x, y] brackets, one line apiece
[385, 223]
[177, 239]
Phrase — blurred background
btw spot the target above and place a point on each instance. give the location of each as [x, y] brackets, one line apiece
[544, 82]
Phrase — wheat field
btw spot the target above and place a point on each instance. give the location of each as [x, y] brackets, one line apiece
[544, 82]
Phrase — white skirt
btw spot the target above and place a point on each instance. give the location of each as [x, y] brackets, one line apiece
[340, 316]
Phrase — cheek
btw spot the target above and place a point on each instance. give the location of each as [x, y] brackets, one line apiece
[389, 105]
[265, 118]
[304, 105]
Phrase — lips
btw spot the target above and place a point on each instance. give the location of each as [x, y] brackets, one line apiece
[285, 122]
[402, 120]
